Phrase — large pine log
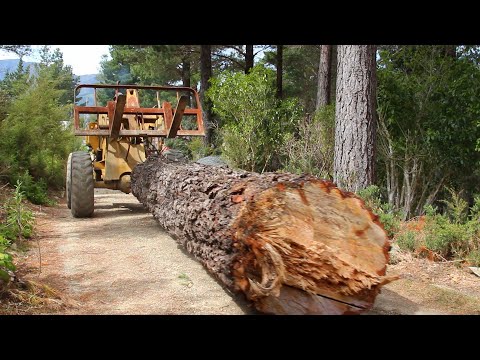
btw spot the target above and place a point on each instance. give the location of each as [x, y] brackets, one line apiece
[292, 244]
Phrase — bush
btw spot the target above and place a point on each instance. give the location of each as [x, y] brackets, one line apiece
[473, 258]
[6, 261]
[407, 240]
[254, 124]
[452, 235]
[36, 135]
[19, 220]
[34, 191]
[390, 219]
[198, 149]
[447, 239]
[311, 150]
[180, 144]
[457, 207]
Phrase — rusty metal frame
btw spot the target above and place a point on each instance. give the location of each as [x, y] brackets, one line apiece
[172, 121]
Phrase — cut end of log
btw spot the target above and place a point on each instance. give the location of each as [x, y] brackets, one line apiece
[313, 237]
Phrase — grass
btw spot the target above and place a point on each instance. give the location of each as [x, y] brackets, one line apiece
[30, 297]
[437, 297]
[185, 280]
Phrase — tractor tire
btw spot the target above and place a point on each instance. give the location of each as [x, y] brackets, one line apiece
[68, 185]
[82, 185]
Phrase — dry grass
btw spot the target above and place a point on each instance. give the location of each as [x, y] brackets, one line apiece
[437, 297]
[30, 297]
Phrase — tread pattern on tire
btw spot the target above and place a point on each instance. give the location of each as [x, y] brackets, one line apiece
[82, 185]
[68, 185]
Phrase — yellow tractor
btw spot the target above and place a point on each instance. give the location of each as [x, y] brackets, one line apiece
[122, 133]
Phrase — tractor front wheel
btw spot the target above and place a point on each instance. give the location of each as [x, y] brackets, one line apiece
[68, 185]
[82, 184]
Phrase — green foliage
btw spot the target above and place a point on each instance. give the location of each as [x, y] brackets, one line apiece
[6, 261]
[446, 238]
[35, 190]
[198, 149]
[19, 220]
[430, 106]
[474, 258]
[451, 235]
[255, 125]
[475, 209]
[457, 207]
[178, 144]
[407, 240]
[36, 136]
[150, 64]
[311, 149]
[20, 50]
[300, 67]
[374, 199]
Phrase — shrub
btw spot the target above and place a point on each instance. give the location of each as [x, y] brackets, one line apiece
[311, 149]
[447, 239]
[180, 144]
[473, 257]
[34, 191]
[457, 207]
[6, 261]
[390, 219]
[254, 124]
[407, 240]
[198, 149]
[19, 220]
[452, 235]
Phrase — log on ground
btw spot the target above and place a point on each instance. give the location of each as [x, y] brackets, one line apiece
[292, 244]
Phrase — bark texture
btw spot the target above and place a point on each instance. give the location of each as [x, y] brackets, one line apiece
[249, 58]
[279, 93]
[324, 76]
[292, 244]
[355, 117]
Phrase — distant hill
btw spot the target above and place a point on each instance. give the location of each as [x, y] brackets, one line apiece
[10, 65]
[86, 95]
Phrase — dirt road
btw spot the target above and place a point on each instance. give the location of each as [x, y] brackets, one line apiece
[122, 262]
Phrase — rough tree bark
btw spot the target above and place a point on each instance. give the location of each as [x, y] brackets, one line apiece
[205, 75]
[333, 74]
[355, 117]
[324, 76]
[186, 74]
[279, 93]
[292, 244]
[248, 58]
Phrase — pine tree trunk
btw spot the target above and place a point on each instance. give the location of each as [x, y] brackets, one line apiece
[205, 75]
[248, 58]
[279, 71]
[355, 117]
[451, 51]
[324, 76]
[186, 73]
[291, 244]
[333, 74]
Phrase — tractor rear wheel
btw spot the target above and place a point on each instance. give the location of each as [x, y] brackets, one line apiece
[68, 185]
[82, 184]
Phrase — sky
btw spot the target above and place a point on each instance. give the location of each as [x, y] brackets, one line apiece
[84, 59]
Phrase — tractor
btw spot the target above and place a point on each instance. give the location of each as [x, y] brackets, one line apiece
[123, 132]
